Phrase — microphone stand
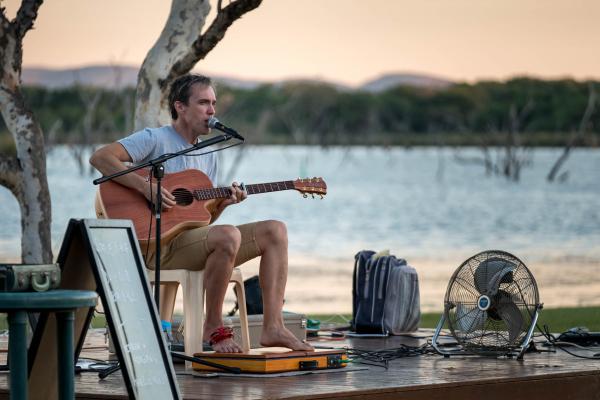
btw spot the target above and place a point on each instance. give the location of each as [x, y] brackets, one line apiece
[158, 171]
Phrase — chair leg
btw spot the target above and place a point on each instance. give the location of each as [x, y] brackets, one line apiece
[168, 295]
[236, 277]
[193, 298]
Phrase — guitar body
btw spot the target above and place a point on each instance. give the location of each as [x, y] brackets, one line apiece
[116, 201]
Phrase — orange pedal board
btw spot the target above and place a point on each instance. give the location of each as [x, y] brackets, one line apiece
[274, 359]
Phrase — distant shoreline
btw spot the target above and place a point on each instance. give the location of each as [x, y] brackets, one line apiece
[518, 113]
[453, 142]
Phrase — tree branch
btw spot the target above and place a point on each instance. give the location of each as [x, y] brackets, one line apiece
[26, 16]
[589, 109]
[585, 119]
[213, 35]
[3, 19]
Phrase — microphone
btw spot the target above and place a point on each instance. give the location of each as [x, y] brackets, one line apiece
[214, 123]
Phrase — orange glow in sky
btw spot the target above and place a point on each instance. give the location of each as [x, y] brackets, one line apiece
[346, 41]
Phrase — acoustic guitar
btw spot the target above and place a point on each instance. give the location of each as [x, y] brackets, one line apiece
[195, 198]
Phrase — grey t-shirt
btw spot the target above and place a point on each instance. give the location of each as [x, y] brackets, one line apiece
[150, 143]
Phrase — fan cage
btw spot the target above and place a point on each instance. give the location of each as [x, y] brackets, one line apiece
[492, 333]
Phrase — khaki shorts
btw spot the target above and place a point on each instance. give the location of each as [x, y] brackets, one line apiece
[189, 249]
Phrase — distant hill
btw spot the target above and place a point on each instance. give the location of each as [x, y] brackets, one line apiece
[119, 76]
[105, 76]
[97, 75]
[415, 80]
[314, 81]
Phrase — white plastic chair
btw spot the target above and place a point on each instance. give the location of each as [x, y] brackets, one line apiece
[192, 284]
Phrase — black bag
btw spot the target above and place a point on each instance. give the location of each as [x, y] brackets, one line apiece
[367, 307]
[254, 304]
[385, 295]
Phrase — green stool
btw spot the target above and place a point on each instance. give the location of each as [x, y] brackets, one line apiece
[61, 302]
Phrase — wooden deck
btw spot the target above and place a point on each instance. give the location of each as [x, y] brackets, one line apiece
[539, 376]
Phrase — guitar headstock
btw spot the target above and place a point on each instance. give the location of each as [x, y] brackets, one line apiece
[311, 186]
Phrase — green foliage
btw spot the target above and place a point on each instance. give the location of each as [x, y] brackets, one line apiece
[304, 112]
[79, 114]
[557, 319]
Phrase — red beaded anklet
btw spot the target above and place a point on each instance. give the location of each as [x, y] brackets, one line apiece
[220, 334]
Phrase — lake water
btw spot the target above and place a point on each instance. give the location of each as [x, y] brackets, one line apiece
[420, 203]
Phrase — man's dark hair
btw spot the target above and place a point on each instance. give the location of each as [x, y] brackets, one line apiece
[181, 89]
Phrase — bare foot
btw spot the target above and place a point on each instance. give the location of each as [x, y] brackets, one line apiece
[226, 346]
[221, 343]
[282, 337]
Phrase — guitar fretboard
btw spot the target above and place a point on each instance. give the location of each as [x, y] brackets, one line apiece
[222, 192]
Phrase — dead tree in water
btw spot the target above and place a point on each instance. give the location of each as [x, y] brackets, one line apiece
[83, 141]
[512, 156]
[515, 154]
[576, 137]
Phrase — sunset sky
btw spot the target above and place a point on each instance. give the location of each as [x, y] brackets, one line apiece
[347, 41]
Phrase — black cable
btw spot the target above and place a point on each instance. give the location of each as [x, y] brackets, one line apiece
[107, 371]
[381, 358]
[96, 366]
[212, 151]
[206, 152]
[553, 341]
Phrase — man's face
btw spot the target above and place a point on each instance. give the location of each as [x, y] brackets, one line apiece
[201, 106]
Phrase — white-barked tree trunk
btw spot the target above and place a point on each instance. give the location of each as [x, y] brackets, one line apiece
[24, 173]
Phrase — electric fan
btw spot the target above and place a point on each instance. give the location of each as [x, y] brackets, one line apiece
[491, 306]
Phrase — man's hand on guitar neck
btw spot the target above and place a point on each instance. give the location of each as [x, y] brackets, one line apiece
[238, 194]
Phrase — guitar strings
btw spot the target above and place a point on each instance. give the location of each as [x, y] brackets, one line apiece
[185, 195]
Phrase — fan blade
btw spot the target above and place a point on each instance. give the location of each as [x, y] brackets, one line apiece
[469, 319]
[510, 314]
[491, 273]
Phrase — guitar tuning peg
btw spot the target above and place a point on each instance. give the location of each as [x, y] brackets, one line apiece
[321, 196]
[313, 195]
[304, 195]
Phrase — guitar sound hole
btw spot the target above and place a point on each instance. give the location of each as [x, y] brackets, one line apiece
[183, 197]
